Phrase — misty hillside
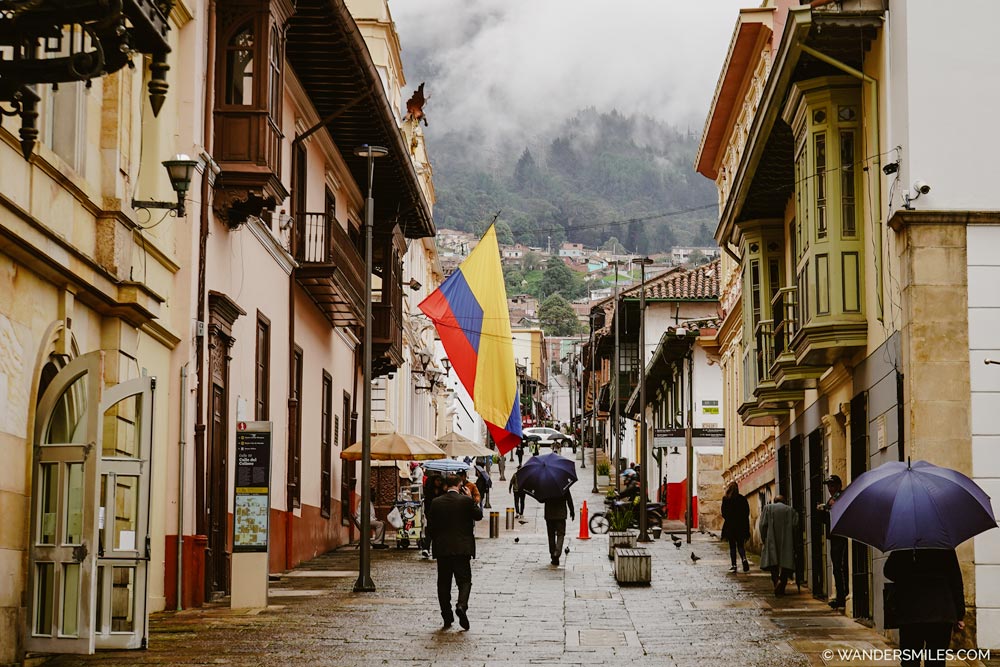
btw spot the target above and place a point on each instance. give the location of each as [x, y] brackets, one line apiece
[593, 168]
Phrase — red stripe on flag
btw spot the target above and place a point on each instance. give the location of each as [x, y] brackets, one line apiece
[463, 357]
[505, 440]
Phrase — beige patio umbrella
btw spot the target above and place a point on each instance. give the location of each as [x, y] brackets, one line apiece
[396, 447]
[455, 444]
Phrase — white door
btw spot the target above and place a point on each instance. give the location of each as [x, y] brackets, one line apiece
[122, 618]
[63, 540]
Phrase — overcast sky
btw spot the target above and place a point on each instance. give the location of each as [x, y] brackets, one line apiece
[520, 65]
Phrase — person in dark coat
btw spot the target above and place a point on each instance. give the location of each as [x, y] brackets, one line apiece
[838, 543]
[929, 600]
[519, 495]
[555, 523]
[452, 528]
[433, 487]
[520, 453]
[736, 524]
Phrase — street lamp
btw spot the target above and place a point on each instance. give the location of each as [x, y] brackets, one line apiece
[616, 425]
[643, 473]
[180, 171]
[593, 407]
[364, 582]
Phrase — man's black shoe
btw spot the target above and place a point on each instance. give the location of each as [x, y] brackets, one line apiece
[463, 620]
[555, 560]
[837, 604]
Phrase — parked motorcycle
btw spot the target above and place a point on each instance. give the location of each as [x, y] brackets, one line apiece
[600, 522]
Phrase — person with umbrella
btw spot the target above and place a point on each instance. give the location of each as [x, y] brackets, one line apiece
[547, 479]
[778, 527]
[920, 513]
[555, 522]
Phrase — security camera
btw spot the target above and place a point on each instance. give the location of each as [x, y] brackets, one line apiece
[920, 187]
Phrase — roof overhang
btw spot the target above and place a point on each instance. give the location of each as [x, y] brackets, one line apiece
[753, 28]
[674, 345]
[328, 53]
[765, 168]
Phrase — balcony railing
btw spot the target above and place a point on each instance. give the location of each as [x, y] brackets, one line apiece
[331, 269]
[764, 350]
[785, 312]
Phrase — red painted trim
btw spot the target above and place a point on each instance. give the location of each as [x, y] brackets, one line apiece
[464, 359]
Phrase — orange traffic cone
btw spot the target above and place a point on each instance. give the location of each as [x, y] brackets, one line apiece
[584, 516]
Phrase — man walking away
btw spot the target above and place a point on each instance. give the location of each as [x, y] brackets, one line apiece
[520, 453]
[519, 496]
[838, 544]
[452, 525]
[778, 528]
[555, 523]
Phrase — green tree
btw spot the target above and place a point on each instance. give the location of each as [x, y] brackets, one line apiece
[559, 278]
[504, 235]
[558, 318]
[531, 261]
[512, 279]
[614, 246]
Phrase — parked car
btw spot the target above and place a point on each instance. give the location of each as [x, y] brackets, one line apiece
[549, 437]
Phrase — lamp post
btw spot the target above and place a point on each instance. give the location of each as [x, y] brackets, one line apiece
[616, 425]
[643, 449]
[364, 582]
[593, 407]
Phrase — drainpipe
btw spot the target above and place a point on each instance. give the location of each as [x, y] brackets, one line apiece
[873, 141]
[199, 429]
[181, 444]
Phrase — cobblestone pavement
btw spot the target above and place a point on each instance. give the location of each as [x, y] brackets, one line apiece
[523, 611]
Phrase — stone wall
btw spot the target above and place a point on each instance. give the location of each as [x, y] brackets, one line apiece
[710, 490]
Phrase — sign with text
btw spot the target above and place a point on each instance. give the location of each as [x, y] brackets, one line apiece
[700, 437]
[253, 486]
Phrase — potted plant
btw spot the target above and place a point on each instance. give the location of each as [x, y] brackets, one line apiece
[603, 473]
[620, 533]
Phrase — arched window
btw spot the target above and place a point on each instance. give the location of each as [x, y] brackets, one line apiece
[239, 66]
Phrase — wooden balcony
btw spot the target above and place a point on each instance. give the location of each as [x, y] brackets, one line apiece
[331, 270]
[764, 403]
[388, 249]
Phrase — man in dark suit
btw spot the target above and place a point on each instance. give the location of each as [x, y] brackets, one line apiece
[452, 524]
[555, 523]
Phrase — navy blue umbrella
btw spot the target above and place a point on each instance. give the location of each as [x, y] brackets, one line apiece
[920, 506]
[546, 477]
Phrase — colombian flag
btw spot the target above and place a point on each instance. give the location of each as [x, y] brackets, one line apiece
[470, 313]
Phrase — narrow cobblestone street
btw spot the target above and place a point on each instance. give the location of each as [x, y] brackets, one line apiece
[523, 611]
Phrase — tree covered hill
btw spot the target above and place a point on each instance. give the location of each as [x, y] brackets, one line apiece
[595, 168]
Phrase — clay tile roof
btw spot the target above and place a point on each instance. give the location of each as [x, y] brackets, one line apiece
[701, 282]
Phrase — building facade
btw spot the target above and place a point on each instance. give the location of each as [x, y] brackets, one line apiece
[857, 246]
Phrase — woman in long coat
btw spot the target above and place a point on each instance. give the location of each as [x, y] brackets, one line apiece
[778, 528]
[736, 526]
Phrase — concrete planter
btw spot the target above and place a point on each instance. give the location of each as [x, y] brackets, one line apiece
[604, 480]
[623, 538]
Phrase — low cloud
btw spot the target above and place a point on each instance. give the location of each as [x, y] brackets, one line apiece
[499, 68]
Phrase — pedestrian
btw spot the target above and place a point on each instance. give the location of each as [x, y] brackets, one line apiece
[469, 489]
[433, 487]
[929, 601]
[838, 544]
[519, 495]
[778, 528]
[483, 484]
[520, 453]
[453, 523]
[555, 523]
[502, 464]
[736, 524]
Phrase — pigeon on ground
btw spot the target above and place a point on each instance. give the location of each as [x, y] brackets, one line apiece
[567, 549]
[695, 559]
[517, 539]
[522, 522]
[677, 544]
[711, 534]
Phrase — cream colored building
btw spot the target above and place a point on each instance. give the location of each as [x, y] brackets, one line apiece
[856, 329]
